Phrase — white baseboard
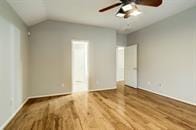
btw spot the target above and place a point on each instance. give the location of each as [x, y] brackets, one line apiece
[93, 90]
[41, 96]
[60, 94]
[49, 95]
[14, 114]
[177, 99]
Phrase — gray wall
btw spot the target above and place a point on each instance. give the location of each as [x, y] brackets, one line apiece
[121, 39]
[167, 56]
[13, 62]
[50, 56]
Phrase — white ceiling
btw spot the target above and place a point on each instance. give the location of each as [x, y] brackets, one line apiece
[86, 12]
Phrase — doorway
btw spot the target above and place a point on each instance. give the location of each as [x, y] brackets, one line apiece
[120, 64]
[79, 66]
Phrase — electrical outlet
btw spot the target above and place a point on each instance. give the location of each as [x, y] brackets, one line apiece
[11, 101]
[159, 85]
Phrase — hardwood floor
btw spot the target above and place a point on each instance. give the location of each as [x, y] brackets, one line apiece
[122, 109]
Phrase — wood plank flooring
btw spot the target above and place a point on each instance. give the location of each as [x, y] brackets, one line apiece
[122, 109]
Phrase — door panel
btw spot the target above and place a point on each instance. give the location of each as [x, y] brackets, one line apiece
[131, 66]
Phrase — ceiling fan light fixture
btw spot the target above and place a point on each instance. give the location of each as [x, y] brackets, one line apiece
[135, 12]
[127, 7]
[120, 13]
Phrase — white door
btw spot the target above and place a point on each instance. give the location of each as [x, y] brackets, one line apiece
[131, 66]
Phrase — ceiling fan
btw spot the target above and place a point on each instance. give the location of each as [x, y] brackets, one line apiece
[129, 7]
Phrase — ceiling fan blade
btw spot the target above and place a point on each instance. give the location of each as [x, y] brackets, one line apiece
[110, 7]
[154, 3]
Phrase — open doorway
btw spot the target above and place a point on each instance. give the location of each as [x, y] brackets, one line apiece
[120, 64]
[79, 66]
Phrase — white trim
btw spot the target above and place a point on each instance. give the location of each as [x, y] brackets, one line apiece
[49, 95]
[177, 99]
[93, 90]
[14, 114]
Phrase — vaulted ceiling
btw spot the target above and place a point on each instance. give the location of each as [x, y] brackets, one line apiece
[86, 12]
